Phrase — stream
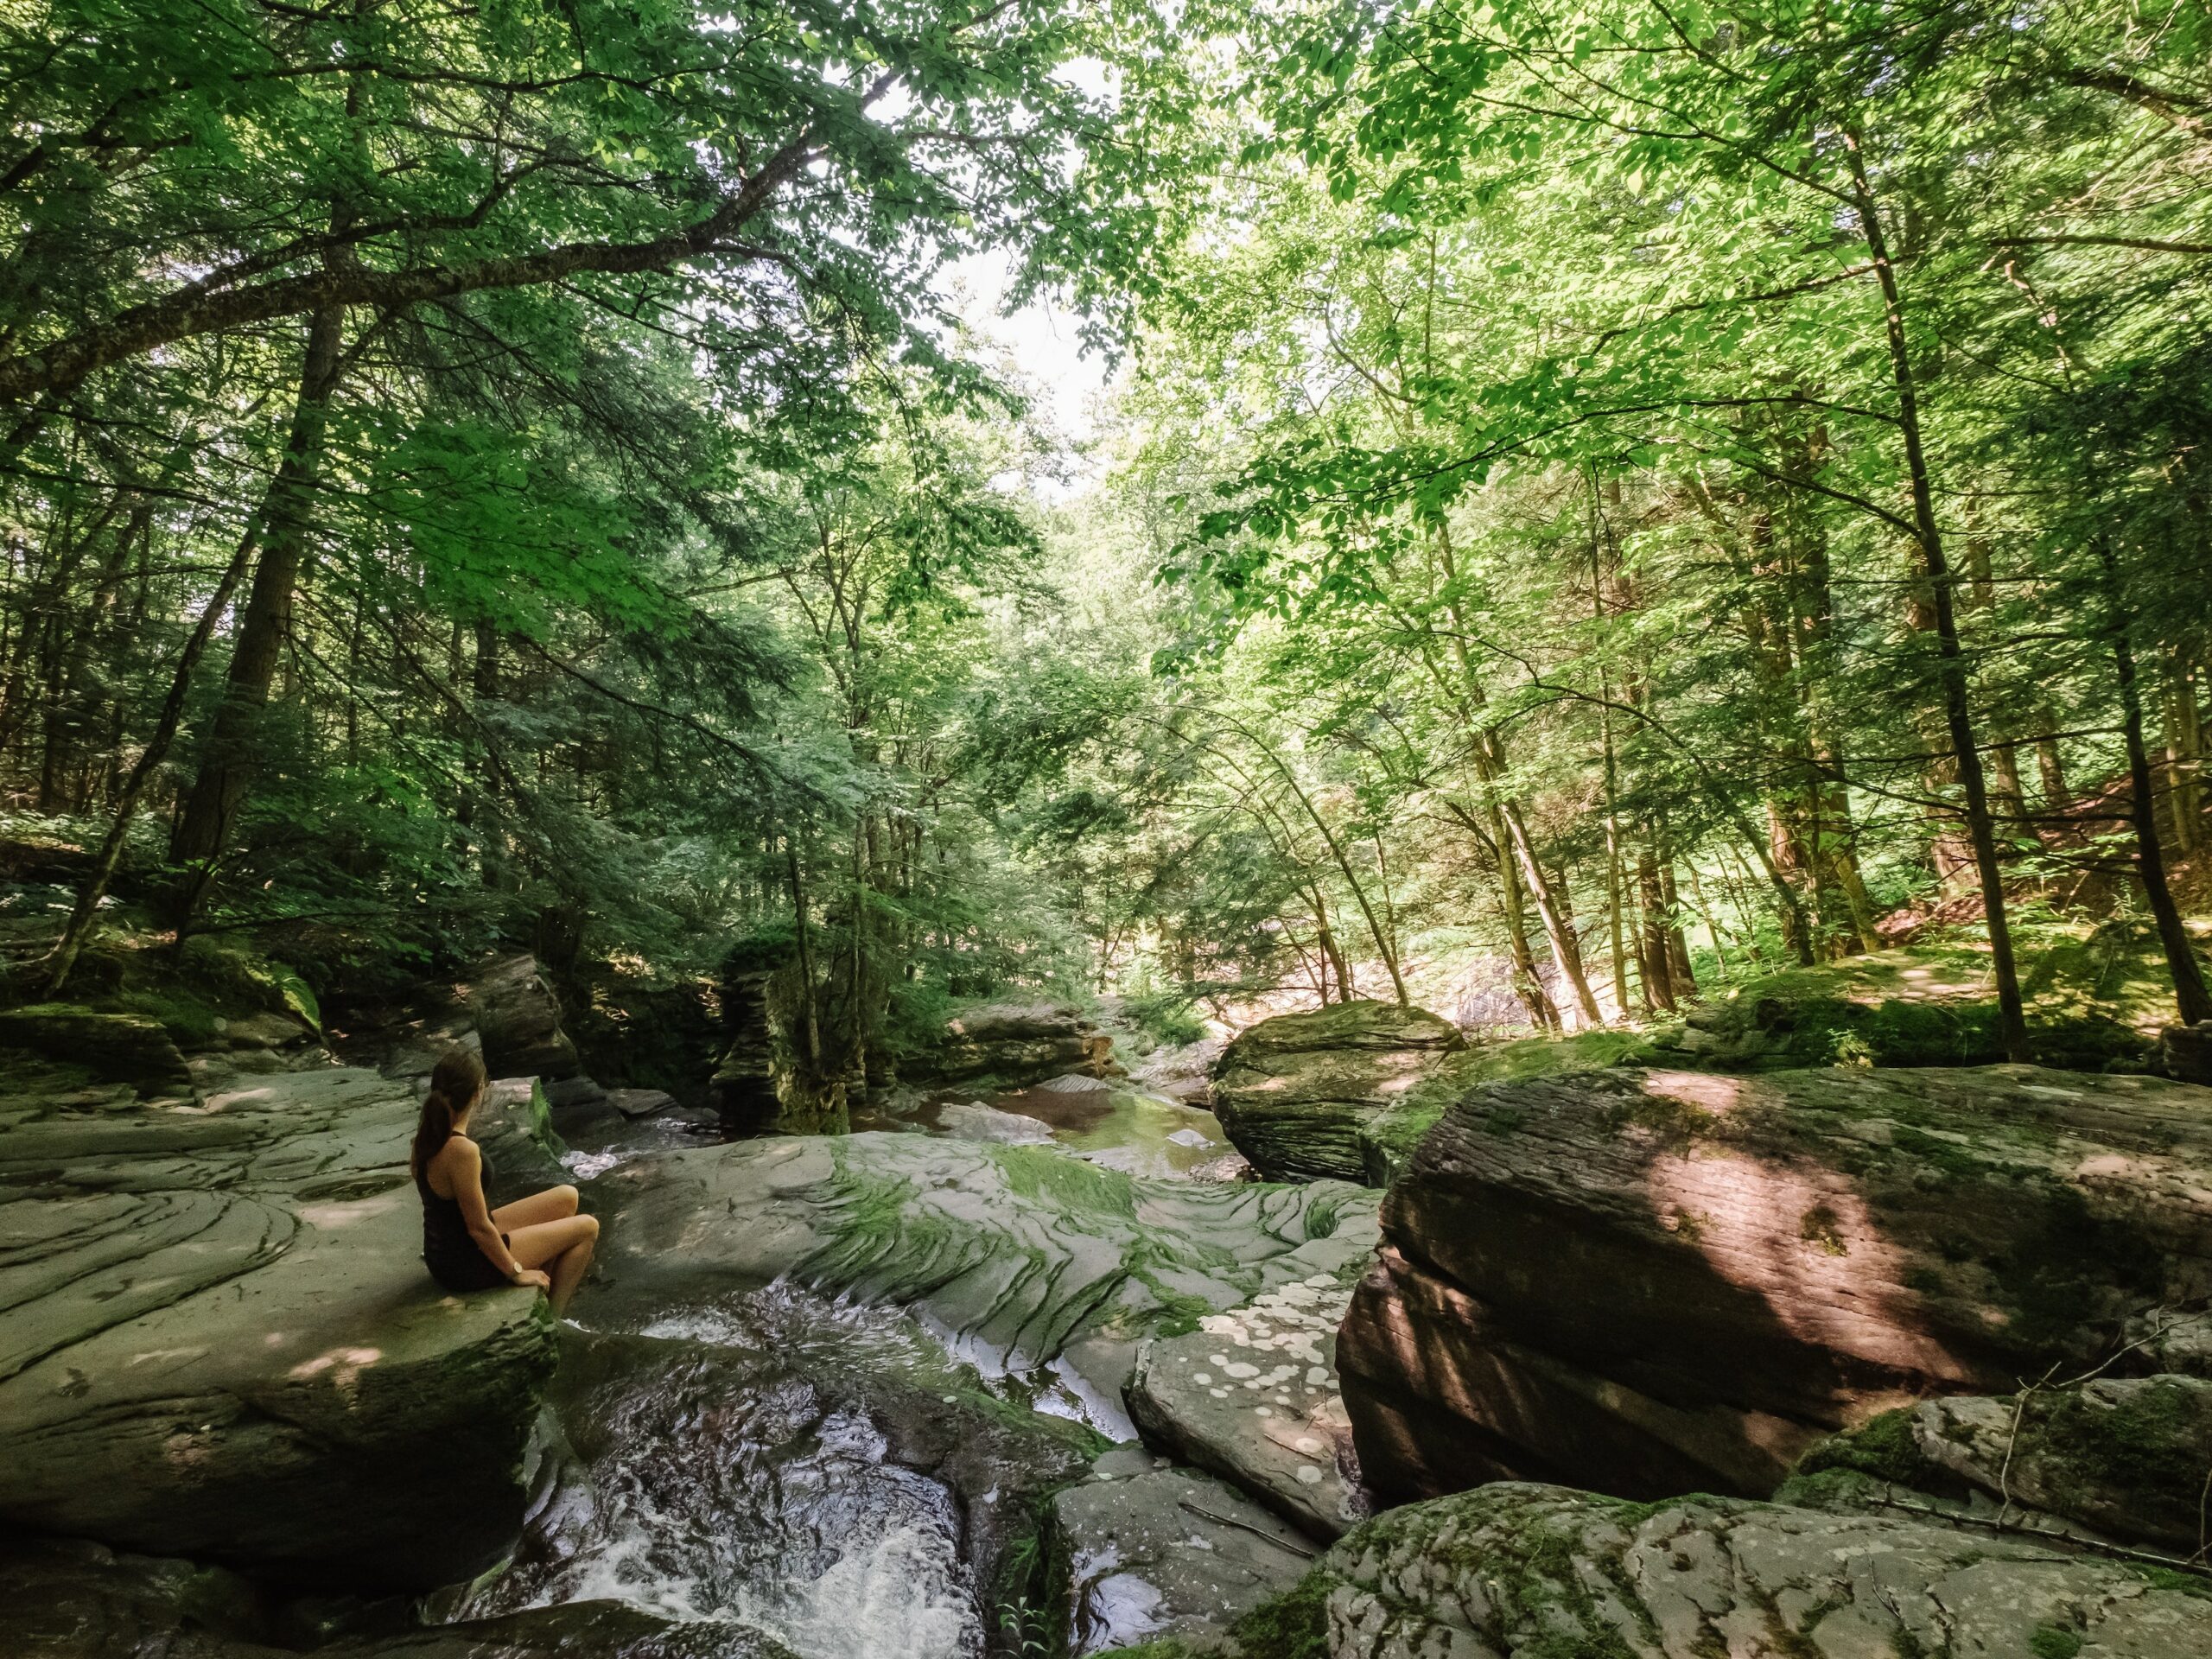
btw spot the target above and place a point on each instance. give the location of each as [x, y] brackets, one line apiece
[829, 1473]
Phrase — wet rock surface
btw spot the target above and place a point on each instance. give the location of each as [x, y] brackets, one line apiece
[220, 1340]
[1032, 1255]
[1302, 1095]
[1252, 1395]
[1164, 1554]
[1525, 1571]
[1655, 1282]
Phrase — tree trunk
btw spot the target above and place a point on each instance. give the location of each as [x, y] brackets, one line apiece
[1957, 709]
[227, 765]
[63, 960]
[2191, 997]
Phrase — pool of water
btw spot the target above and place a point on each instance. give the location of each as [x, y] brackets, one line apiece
[1106, 1120]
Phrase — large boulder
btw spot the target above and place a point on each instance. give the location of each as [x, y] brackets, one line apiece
[1529, 1572]
[220, 1341]
[1302, 1094]
[132, 1048]
[506, 1010]
[1025, 1251]
[1013, 1043]
[1649, 1282]
[2123, 1458]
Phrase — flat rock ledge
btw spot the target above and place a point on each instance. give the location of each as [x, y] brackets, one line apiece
[1166, 1555]
[220, 1341]
[1652, 1283]
[1529, 1572]
[1253, 1396]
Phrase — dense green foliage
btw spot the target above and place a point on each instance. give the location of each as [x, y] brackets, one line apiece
[1600, 500]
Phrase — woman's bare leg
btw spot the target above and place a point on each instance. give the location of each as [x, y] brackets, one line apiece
[563, 1248]
[553, 1203]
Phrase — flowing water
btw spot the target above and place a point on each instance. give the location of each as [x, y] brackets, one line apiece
[827, 1473]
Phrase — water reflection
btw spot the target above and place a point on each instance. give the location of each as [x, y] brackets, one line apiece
[1107, 1122]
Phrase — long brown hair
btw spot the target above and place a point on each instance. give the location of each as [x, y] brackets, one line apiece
[455, 1081]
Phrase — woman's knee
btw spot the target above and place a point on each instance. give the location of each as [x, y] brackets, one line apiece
[590, 1226]
[566, 1197]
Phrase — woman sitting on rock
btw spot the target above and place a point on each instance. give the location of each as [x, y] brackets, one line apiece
[467, 1244]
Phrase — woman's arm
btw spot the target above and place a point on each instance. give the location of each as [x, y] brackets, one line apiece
[467, 1176]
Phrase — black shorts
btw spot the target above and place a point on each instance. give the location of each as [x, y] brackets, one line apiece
[469, 1270]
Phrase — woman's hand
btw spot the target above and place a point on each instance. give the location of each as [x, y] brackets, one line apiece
[533, 1277]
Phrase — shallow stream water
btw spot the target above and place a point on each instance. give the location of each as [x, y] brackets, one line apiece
[823, 1473]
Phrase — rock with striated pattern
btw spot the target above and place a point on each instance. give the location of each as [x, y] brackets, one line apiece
[1013, 1043]
[1029, 1251]
[1651, 1282]
[1529, 1572]
[131, 1048]
[219, 1340]
[2115, 1457]
[506, 1011]
[1301, 1095]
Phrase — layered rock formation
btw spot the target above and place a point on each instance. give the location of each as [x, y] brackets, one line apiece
[1656, 1282]
[506, 1010]
[1014, 1044]
[1034, 1255]
[116, 1047]
[220, 1341]
[1527, 1572]
[1308, 1095]
[2114, 1457]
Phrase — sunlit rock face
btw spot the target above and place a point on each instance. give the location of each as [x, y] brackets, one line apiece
[1301, 1095]
[1655, 1282]
[220, 1341]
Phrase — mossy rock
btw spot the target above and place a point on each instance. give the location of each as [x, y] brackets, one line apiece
[1547, 1572]
[1302, 1094]
[2095, 998]
[2124, 1457]
[116, 1047]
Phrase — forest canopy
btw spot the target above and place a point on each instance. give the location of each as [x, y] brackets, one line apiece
[1593, 501]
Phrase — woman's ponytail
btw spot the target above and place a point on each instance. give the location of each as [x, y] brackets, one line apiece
[455, 1081]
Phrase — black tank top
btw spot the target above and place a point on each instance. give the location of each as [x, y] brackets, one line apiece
[455, 1259]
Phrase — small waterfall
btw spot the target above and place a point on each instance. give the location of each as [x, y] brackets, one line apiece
[899, 1593]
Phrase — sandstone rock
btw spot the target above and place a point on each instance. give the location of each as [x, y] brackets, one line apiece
[1653, 1282]
[1252, 1395]
[639, 1102]
[1526, 1572]
[743, 1087]
[507, 1011]
[1027, 1251]
[513, 1127]
[1167, 1555]
[1299, 1093]
[131, 1048]
[1181, 1071]
[220, 1340]
[2186, 1051]
[1015, 1044]
[263, 1031]
[2171, 1341]
[2126, 1457]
